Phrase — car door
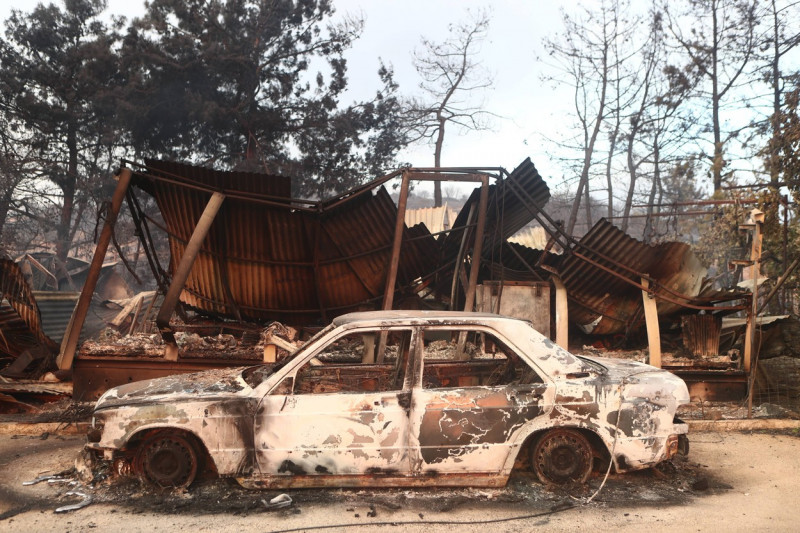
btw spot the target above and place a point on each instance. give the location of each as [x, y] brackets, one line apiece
[339, 413]
[475, 393]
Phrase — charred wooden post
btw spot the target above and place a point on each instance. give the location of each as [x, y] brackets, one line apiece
[651, 320]
[182, 274]
[459, 264]
[753, 224]
[394, 259]
[562, 313]
[70, 342]
[477, 248]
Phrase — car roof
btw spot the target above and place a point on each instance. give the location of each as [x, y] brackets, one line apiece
[406, 317]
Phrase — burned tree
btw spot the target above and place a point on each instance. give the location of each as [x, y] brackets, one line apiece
[451, 76]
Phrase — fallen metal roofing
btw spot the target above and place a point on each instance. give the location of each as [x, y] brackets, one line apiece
[268, 257]
[436, 219]
[603, 303]
[20, 323]
[508, 208]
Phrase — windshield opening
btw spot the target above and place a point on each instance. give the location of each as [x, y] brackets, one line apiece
[256, 375]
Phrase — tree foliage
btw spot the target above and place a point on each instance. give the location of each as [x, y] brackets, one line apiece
[256, 85]
[59, 76]
[227, 82]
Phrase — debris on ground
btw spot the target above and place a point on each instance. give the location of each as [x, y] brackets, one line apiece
[278, 502]
[75, 506]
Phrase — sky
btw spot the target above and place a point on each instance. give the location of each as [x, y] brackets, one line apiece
[393, 29]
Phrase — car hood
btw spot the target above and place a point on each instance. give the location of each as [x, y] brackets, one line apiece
[218, 383]
[639, 379]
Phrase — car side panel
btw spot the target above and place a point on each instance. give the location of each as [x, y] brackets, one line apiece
[472, 429]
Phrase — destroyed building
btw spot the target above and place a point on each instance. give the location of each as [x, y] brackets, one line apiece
[243, 254]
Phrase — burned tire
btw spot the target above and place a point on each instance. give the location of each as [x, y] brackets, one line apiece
[562, 457]
[167, 460]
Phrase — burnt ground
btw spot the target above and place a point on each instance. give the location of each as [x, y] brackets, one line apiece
[677, 482]
[674, 483]
[736, 481]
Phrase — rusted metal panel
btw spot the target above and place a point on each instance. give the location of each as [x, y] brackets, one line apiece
[527, 300]
[602, 303]
[701, 334]
[20, 322]
[268, 257]
[714, 385]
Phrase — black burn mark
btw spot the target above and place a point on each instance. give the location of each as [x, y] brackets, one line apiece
[289, 466]
[446, 433]
[625, 421]
[241, 414]
[584, 408]
[320, 469]
[377, 471]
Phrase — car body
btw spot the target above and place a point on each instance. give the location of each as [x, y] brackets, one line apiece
[398, 398]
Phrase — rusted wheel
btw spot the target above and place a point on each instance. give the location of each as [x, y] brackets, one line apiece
[167, 460]
[562, 457]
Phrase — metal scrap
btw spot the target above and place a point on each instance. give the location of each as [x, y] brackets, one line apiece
[87, 500]
[278, 502]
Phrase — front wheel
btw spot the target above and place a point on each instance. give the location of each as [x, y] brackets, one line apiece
[167, 460]
[562, 457]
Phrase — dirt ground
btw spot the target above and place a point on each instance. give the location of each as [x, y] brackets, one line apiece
[733, 481]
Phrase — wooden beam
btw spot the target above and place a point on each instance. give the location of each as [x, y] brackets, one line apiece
[199, 234]
[651, 319]
[70, 342]
[562, 313]
[477, 248]
[394, 260]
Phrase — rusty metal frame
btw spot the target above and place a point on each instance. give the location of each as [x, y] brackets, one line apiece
[70, 343]
[182, 273]
[480, 227]
[655, 288]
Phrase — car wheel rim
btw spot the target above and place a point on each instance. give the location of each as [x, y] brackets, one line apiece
[169, 462]
[563, 457]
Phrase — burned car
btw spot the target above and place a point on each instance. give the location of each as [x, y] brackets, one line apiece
[396, 398]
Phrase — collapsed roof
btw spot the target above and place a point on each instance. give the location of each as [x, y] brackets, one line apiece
[270, 257]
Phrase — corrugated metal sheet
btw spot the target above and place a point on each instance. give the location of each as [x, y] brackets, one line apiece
[507, 210]
[436, 219]
[701, 334]
[56, 310]
[20, 323]
[271, 258]
[602, 303]
[535, 238]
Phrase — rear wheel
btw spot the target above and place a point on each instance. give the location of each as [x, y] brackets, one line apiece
[562, 457]
[167, 460]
